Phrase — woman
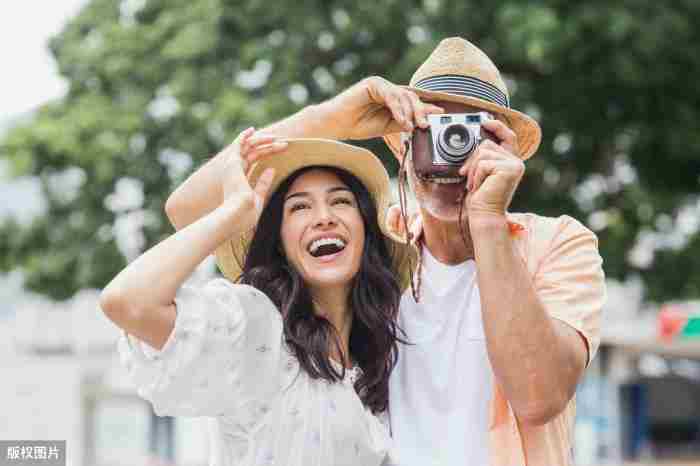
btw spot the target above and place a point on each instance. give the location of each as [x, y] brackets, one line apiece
[294, 359]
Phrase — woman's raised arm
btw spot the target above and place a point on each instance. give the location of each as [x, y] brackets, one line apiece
[140, 299]
[203, 191]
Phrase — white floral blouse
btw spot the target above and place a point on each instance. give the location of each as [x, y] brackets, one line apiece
[226, 358]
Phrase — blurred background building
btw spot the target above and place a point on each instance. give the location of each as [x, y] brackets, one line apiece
[110, 104]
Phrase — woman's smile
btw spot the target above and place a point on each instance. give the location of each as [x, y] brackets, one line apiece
[322, 229]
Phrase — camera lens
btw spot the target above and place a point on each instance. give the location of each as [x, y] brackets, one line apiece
[455, 142]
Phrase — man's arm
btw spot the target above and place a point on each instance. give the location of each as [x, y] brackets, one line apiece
[538, 360]
[371, 108]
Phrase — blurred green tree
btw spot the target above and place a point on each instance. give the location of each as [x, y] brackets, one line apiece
[156, 86]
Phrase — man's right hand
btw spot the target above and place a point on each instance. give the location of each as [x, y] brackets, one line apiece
[375, 107]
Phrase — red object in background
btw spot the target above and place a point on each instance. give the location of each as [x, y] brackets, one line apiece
[670, 321]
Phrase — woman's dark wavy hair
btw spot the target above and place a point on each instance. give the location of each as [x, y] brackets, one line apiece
[374, 298]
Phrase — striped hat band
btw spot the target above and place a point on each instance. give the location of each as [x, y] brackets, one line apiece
[465, 86]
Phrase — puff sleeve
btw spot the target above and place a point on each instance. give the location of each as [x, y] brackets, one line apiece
[224, 351]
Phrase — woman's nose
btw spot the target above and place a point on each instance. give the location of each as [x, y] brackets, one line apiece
[324, 217]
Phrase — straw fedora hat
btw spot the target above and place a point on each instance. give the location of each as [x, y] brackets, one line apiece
[458, 71]
[307, 152]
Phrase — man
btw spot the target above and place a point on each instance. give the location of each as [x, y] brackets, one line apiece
[506, 310]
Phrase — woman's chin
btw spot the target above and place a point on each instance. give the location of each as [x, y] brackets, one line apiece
[324, 276]
[324, 279]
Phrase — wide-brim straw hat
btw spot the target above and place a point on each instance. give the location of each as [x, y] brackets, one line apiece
[307, 152]
[458, 71]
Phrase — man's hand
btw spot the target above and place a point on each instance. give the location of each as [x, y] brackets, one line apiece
[493, 173]
[375, 107]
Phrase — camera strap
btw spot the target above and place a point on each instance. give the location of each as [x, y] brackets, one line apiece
[403, 182]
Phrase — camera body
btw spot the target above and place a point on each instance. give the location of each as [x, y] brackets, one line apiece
[450, 140]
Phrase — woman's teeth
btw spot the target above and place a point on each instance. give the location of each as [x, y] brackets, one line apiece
[331, 245]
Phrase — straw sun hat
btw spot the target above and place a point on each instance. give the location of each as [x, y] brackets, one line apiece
[301, 153]
[458, 71]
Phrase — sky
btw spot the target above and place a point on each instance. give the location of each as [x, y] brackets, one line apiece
[29, 75]
[29, 78]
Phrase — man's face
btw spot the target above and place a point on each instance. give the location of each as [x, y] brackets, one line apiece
[439, 200]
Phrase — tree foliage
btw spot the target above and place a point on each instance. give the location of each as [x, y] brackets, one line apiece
[156, 86]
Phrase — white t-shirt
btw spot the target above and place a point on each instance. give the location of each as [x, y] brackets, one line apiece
[227, 358]
[440, 390]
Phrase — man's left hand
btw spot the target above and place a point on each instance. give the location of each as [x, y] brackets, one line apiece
[493, 173]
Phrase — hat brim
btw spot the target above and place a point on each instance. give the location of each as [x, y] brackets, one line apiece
[527, 129]
[307, 152]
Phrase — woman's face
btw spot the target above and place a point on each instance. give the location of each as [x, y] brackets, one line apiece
[323, 234]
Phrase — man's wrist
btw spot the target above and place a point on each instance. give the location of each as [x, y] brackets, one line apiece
[487, 222]
[329, 116]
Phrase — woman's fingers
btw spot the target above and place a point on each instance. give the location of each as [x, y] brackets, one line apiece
[263, 186]
[244, 135]
[241, 141]
[261, 152]
[256, 140]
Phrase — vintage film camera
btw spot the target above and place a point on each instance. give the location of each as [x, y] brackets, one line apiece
[451, 139]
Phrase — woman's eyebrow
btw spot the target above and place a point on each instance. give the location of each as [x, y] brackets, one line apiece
[338, 188]
[299, 194]
[306, 194]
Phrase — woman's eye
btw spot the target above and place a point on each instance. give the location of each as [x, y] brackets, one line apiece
[296, 207]
[342, 200]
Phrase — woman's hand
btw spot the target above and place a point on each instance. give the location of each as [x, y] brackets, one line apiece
[238, 160]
